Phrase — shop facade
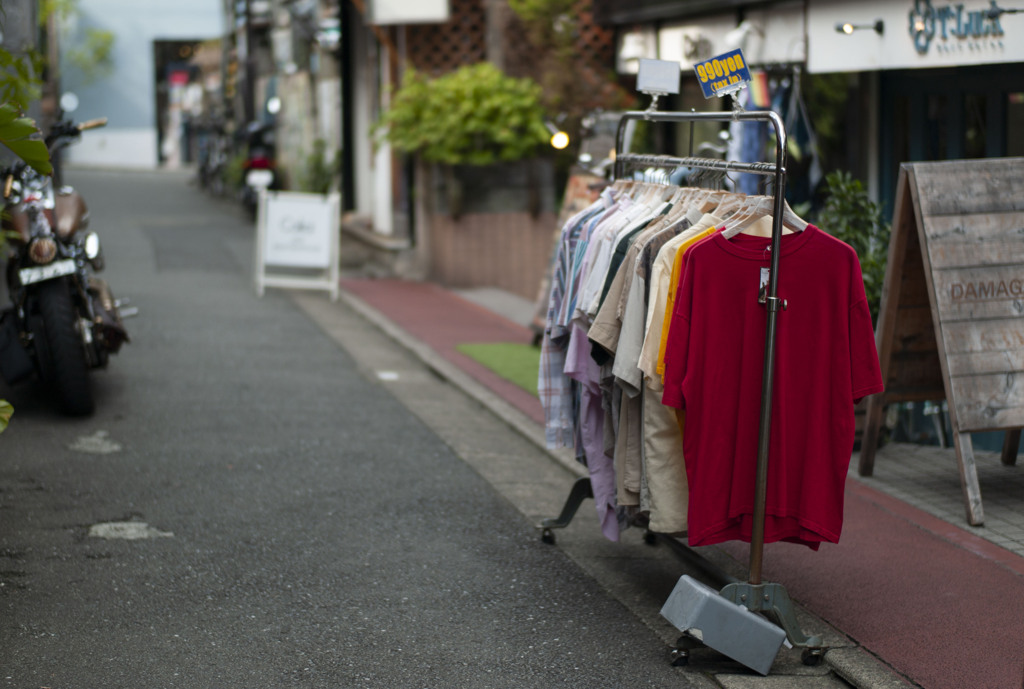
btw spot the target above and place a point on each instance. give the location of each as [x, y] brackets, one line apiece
[926, 80]
[948, 79]
[921, 80]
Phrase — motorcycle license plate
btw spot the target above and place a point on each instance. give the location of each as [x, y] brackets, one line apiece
[35, 274]
[259, 178]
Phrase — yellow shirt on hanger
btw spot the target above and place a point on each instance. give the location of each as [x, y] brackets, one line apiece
[677, 269]
[661, 272]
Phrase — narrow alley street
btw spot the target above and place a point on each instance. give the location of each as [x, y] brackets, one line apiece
[293, 523]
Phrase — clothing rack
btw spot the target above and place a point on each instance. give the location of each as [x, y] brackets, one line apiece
[754, 594]
[703, 163]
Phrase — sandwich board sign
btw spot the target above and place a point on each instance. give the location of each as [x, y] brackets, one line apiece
[297, 241]
[951, 322]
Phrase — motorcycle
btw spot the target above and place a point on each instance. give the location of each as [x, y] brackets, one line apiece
[63, 320]
[259, 168]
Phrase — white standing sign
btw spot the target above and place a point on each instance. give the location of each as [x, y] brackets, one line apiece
[297, 241]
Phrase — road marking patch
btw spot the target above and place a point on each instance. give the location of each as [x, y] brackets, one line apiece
[99, 443]
[127, 531]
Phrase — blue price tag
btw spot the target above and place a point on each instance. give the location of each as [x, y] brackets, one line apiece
[723, 74]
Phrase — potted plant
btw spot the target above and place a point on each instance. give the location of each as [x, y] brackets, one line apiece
[465, 121]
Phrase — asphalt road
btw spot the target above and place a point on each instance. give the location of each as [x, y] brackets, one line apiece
[299, 525]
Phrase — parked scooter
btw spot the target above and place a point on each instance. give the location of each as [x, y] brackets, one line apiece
[259, 169]
[63, 320]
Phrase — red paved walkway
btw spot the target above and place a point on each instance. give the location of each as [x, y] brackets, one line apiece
[443, 321]
[935, 602]
[938, 604]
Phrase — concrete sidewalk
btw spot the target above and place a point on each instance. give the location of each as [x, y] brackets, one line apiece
[940, 604]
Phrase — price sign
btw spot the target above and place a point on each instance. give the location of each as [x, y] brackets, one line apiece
[723, 74]
[658, 77]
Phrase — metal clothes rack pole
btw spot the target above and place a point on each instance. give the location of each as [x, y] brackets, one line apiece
[753, 594]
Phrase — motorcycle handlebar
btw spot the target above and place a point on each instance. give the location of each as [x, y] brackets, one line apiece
[63, 131]
[92, 124]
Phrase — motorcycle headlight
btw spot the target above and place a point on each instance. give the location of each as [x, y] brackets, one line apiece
[42, 250]
[91, 245]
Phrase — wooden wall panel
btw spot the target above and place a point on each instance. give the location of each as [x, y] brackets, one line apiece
[505, 250]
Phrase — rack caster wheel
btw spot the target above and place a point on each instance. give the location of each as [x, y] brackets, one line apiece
[547, 536]
[812, 656]
[680, 657]
[650, 538]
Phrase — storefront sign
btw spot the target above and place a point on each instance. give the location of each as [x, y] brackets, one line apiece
[407, 11]
[918, 34]
[297, 241]
[953, 28]
[723, 74]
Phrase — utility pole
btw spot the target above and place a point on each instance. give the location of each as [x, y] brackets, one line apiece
[249, 94]
[346, 75]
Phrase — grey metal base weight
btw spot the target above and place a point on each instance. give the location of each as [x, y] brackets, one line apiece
[766, 598]
[773, 600]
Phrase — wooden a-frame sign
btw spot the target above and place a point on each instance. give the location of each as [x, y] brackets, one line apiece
[951, 320]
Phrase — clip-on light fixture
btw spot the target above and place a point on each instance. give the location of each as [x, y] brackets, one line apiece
[848, 28]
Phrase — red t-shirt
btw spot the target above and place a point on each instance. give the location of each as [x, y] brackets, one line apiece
[825, 361]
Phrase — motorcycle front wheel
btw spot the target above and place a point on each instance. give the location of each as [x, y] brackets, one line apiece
[65, 368]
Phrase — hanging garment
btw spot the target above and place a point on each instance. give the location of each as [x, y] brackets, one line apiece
[554, 388]
[570, 382]
[825, 362]
[674, 254]
[617, 333]
[667, 484]
[581, 367]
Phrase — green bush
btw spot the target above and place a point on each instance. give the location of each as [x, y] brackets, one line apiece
[849, 214]
[475, 115]
[234, 172]
[318, 174]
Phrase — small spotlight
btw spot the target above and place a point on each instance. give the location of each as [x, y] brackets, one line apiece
[559, 139]
[848, 28]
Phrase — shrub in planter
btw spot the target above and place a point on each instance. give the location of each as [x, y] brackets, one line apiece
[317, 174]
[475, 115]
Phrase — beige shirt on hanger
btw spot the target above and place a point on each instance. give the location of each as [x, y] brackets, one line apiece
[664, 465]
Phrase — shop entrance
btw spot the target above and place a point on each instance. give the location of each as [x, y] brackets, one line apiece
[948, 114]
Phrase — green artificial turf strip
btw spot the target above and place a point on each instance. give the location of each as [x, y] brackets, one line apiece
[516, 363]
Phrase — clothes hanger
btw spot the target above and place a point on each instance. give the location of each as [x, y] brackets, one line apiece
[670, 194]
[715, 199]
[696, 177]
[730, 204]
[754, 208]
[679, 196]
[762, 207]
[623, 186]
[791, 219]
[681, 200]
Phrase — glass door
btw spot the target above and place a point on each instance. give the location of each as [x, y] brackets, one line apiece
[948, 114]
